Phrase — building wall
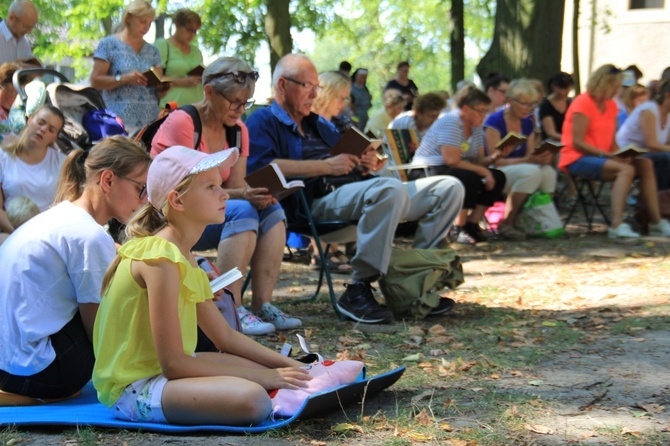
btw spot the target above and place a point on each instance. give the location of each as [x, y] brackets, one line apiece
[620, 36]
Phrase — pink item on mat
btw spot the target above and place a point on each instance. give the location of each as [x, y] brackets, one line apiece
[325, 376]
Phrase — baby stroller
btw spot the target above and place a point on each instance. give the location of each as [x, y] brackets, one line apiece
[86, 118]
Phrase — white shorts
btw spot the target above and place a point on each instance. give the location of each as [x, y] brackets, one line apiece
[141, 401]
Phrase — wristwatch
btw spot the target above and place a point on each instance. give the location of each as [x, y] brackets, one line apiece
[118, 78]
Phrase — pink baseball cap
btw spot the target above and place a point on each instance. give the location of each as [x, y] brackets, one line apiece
[174, 164]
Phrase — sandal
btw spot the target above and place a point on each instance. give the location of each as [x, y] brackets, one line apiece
[339, 257]
[333, 266]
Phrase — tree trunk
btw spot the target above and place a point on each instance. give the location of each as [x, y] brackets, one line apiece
[278, 30]
[457, 39]
[107, 25]
[160, 26]
[575, 47]
[526, 40]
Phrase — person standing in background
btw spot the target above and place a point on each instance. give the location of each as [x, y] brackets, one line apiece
[403, 83]
[118, 66]
[361, 97]
[180, 55]
[21, 19]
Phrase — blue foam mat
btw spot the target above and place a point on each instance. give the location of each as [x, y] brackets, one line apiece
[85, 410]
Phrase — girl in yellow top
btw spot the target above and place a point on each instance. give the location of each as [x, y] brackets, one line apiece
[154, 298]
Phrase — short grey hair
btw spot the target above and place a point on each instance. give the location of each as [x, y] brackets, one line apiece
[289, 66]
[226, 84]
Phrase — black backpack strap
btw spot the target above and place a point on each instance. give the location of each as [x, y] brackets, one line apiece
[197, 124]
[234, 136]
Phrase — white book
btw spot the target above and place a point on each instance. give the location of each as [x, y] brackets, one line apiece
[225, 279]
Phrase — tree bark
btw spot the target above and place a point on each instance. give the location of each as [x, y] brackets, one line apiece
[575, 47]
[160, 26]
[278, 30]
[457, 39]
[526, 40]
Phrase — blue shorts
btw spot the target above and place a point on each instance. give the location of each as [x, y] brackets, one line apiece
[241, 216]
[588, 167]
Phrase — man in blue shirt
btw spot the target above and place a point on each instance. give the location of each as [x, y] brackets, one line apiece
[299, 141]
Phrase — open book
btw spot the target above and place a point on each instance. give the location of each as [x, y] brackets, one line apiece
[549, 145]
[630, 150]
[225, 279]
[197, 71]
[154, 80]
[271, 178]
[512, 139]
[402, 144]
[354, 142]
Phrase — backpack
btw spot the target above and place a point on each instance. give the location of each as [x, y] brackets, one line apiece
[416, 277]
[146, 134]
[100, 124]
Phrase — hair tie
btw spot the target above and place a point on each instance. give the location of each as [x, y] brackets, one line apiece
[82, 158]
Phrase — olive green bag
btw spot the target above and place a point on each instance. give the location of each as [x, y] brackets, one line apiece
[416, 277]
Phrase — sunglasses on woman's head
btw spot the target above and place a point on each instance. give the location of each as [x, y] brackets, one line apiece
[615, 70]
[239, 76]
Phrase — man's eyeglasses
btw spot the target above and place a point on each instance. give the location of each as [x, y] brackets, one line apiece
[308, 85]
[481, 111]
[143, 186]
[502, 90]
[238, 76]
[236, 105]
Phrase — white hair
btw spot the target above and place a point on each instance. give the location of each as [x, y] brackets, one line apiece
[289, 66]
[18, 8]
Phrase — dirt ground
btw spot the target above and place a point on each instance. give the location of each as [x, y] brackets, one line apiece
[609, 388]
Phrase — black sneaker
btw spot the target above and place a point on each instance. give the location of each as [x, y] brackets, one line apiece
[359, 304]
[446, 304]
[475, 232]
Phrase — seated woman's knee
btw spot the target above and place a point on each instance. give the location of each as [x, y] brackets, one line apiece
[257, 404]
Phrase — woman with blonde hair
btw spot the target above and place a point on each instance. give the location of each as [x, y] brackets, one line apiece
[30, 165]
[526, 172]
[51, 271]
[180, 55]
[118, 66]
[393, 104]
[590, 146]
[254, 231]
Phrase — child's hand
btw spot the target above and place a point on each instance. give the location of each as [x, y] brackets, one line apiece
[284, 378]
[211, 275]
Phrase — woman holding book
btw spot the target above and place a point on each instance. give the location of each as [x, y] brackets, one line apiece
[180, 56]
[118, 66]
[51, 271]
[648, 127]
[255, 229]
[526, 170]
[454, 147]
[590, 152]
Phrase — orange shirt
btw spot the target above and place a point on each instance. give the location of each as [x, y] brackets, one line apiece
[600, 131]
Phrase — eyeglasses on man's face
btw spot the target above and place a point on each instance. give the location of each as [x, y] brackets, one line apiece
[236, 105]
[306, 85]
[143, 186]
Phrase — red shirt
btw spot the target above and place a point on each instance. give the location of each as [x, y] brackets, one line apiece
[600, 131]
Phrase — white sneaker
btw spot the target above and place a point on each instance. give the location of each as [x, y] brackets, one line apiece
[280, 320]
[622, 231]
[252, 324]
[660, 228]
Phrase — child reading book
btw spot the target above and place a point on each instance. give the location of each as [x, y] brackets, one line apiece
[155, 296]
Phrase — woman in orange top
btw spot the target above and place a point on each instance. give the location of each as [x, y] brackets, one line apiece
[588, 135]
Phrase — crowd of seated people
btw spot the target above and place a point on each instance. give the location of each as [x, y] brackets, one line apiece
[194, 196]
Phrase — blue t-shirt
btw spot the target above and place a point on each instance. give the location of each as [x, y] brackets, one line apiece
[496, 121]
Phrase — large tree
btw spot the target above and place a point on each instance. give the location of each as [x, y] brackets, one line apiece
[248, 23]
[527, 39]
